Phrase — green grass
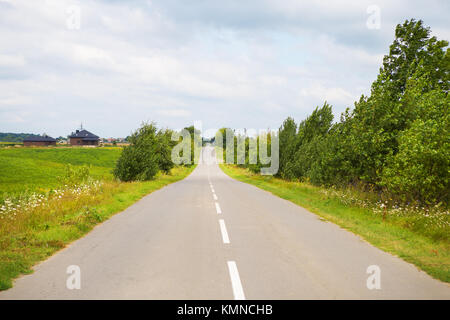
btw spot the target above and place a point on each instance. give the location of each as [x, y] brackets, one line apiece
[36, 234]
[390, 234]
[38, 169]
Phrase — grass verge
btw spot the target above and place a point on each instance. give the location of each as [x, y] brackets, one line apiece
[390, 234]
[31, 235]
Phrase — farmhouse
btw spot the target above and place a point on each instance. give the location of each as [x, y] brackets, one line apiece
[40, 141]
[83, 138]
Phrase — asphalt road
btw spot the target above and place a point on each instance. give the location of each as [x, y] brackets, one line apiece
[212, 237]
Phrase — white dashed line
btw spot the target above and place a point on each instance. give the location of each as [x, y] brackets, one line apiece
[218, 208]
[223, 229]
[238, 292]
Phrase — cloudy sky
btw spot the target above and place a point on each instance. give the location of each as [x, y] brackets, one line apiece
[241, 64]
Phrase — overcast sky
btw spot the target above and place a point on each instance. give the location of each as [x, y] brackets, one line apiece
[240, 64]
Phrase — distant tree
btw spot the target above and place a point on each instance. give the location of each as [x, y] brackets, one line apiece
[196, 141]
[14, 137]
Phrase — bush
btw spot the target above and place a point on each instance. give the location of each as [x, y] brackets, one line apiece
[149, 151]
[75, 175]
[419, 171]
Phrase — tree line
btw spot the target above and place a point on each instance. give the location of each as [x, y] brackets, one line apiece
[14, 137]
[395, 140]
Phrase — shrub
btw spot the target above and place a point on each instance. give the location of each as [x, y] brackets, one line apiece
[149, 151]
[419, 171]
[75, 175]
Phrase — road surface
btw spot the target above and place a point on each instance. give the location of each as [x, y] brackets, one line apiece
[212, 237]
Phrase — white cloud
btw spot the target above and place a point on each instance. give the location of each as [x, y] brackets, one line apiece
[12, 61]
[14, 101]
[174, 113]
[332, 95]
[233, 63]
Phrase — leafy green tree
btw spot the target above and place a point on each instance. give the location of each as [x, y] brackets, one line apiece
[149, 151]
[196, 142]
[310, 132]
[227, 144]
[411, 45]
[288, 146]
[395, 140]
[419, 170]
[163, 150]
[376, 122]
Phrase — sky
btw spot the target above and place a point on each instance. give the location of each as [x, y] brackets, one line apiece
[242, 64]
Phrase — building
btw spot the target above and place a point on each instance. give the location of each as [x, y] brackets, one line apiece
[39, 141]
[83, 138]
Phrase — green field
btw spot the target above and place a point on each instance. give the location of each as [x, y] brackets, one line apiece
[38, 169]
[32, 231]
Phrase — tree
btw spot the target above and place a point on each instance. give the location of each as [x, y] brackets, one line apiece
[413, 44]
[376, 122]
[419, 170]
[149, 151]
[196, 142]
[287, 136]
[310, 132]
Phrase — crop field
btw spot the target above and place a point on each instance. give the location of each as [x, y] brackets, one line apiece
[39, 169]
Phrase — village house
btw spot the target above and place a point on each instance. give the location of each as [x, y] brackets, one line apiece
[83, 138]
[39, 141]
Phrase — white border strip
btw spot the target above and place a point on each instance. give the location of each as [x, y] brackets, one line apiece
[238, 292]
[218, 208]
[223, 229]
